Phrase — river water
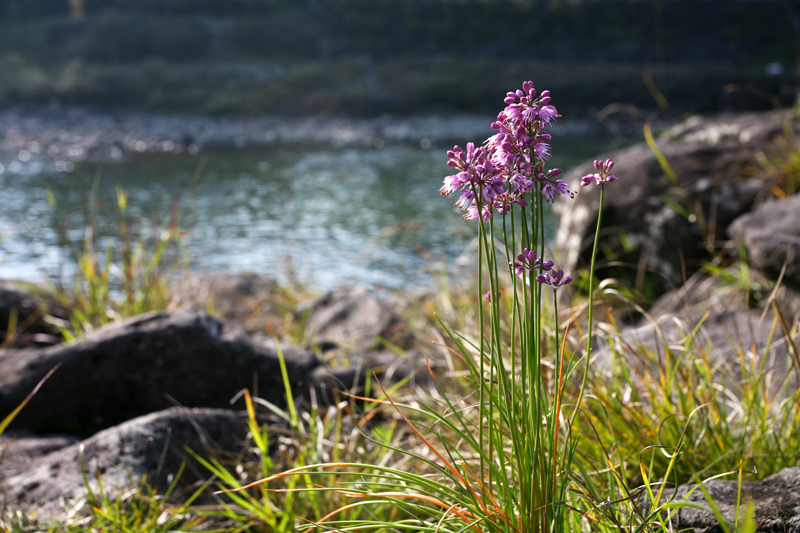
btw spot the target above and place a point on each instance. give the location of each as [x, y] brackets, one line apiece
[328, 216]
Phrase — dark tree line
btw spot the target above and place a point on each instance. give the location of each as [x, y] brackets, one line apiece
[625, 30]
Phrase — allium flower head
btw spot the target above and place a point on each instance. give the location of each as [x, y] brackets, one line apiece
[527, 260]
[603, 174]
[555, 279]
[494, 177]
[554, 187]
[524, 104]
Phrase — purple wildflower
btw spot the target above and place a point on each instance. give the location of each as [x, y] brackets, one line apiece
[552, 186]
[527, 260]
[525, 104]
[472, 213]
[603, 174]
[548, 113]
[555, 279]
[542, 151]
[507, 167]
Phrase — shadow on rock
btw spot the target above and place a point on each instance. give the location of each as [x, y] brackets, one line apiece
[143, 365]
[153, 445]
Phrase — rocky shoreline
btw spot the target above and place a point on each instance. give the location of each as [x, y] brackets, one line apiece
[78, 133]
[122, 382]
[147, 388]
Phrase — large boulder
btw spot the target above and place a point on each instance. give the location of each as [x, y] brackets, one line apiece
[776, 499]
[153, 445]
[143, 365]
[712, 159]
[771, 237]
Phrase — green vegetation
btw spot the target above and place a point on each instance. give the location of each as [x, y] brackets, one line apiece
[784, 165]
[132, 276]
[708, 418]
[631, 30]
[650, 419]
[368, 57]
[353, 86]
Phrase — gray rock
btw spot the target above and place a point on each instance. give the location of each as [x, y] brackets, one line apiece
[771, 236]
[151, 445]
[732, 324]
[352, 318]
[776, 499]
[709, 157]
[19, 449]
[143, 365]
[246, 299]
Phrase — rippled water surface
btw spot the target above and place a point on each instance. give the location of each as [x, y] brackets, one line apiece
[329, 217]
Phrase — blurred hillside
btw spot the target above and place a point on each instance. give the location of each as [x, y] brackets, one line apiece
[369, 57]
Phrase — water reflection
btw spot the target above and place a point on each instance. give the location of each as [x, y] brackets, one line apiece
[331, 216]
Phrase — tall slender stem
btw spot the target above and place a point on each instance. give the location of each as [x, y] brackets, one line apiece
[588, 354]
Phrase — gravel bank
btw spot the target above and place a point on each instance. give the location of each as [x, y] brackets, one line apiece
[74, 134]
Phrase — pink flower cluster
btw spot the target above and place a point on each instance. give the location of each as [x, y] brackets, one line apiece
[499, 174]
[603, 174]
[527, 260]
[554, 278]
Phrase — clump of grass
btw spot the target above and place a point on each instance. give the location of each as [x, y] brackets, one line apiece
[783, 165]
[499, 459]
[711, 414]
[305, 441]
[131, 276]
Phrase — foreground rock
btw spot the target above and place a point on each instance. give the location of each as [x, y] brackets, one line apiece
[143, 365]
[776, 499]
[353, 318]
[710, 158]
[771, 237]
[152, 445]
[19, 450]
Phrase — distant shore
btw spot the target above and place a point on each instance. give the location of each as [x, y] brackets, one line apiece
[81, 133]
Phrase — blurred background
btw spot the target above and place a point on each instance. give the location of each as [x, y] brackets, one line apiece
[306, 138]
[369, 57]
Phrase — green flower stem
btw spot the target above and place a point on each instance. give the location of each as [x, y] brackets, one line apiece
[479, 378]
[591, 309]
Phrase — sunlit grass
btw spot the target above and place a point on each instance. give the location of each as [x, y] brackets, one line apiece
[450, 457]
[132, 275]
